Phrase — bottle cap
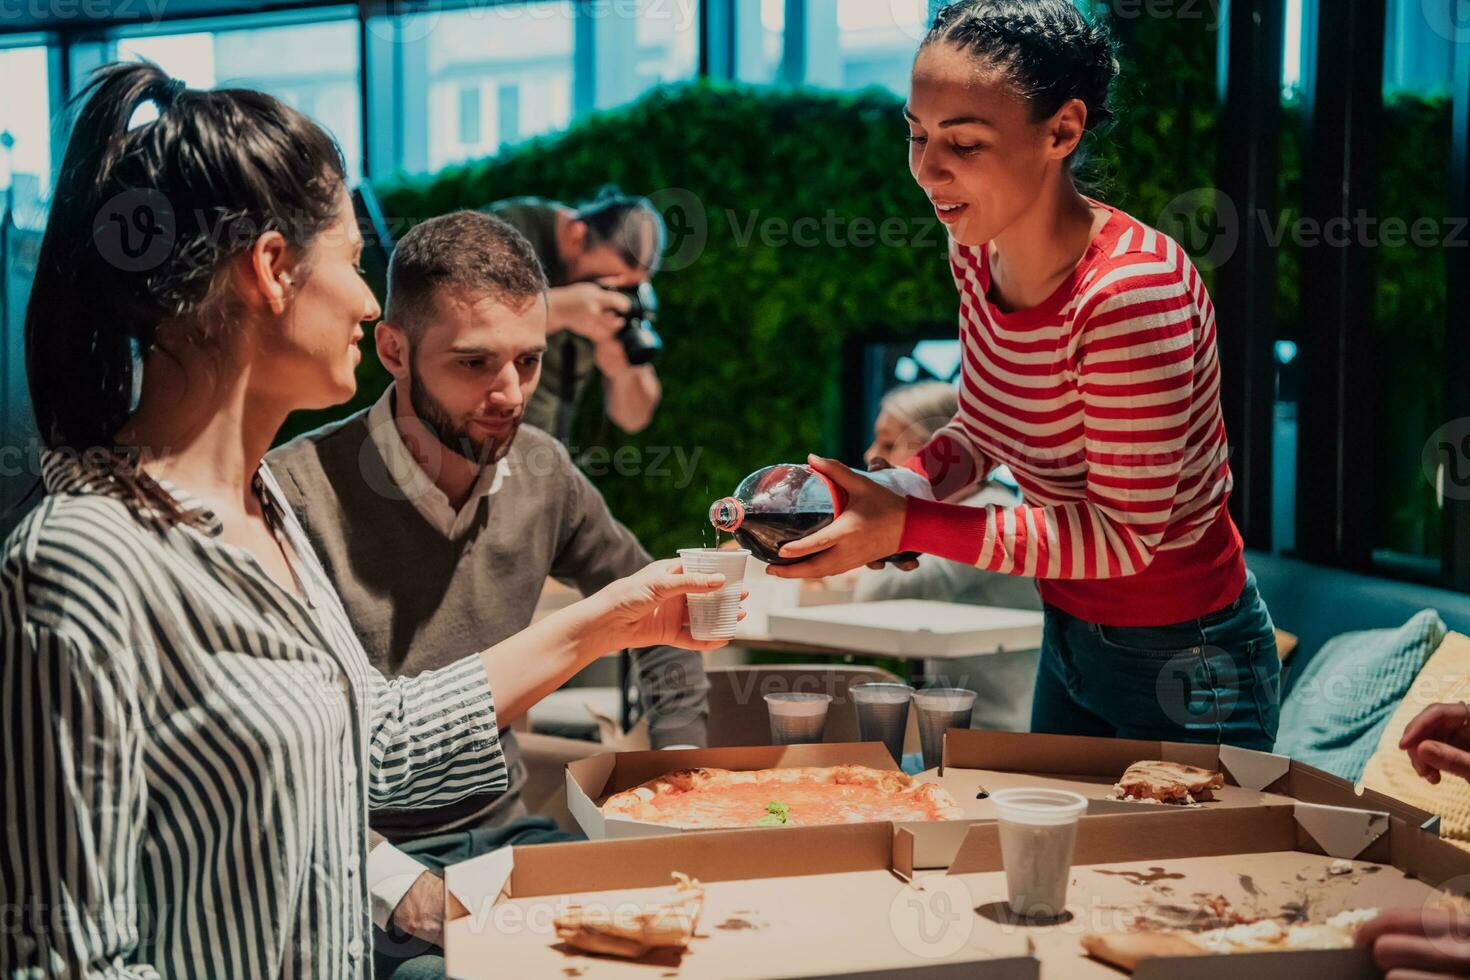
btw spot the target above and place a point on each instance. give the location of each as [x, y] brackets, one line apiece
[727, 513]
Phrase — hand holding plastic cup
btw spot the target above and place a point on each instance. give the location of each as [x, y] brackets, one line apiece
[797, 717]
[714, 615]
[1038, 832]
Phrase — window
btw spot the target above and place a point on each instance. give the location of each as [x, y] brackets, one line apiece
[667, 43]
[508, 112]
[1413, 229]
[877, 41]
[312, 67]
[852, 44]
[25, 132]
[760, 37]
[1418, 54]
[1367, 399]
[518, 59]
[1418, 47]
[469, 115]
[1293, 49]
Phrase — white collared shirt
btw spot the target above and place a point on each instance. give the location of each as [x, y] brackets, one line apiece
[417, 485]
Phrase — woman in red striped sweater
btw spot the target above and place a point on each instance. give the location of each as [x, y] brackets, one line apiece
[1090, 369]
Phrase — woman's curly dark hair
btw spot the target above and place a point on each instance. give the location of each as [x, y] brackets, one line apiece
[142, 221]
[1044, 50]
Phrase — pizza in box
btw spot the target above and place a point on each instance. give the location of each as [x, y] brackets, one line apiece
[706, 799]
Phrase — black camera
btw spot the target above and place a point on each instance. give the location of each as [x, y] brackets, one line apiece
[641, 342]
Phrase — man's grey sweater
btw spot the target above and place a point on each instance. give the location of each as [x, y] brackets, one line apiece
[420, 600]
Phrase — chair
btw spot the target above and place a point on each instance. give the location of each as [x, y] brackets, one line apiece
[737, 706]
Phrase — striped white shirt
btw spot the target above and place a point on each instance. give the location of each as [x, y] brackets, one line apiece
[188, 751]
[1104, 401]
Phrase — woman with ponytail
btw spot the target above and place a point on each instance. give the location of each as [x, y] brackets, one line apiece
[1090, 369]
[191, 735]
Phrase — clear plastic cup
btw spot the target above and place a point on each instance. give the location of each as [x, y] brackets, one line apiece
[883, 714]
[714, 615]
[939, 709]
[1038, 832]
[797, 717]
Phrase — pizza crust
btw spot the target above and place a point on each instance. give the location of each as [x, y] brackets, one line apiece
[631, 933]
[1267, 935]
[637, 803]
[1168, 782]
[1127, 949]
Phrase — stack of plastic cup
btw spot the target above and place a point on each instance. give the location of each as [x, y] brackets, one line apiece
[714, 615]
[883, 714]
[1038, 831]
[797, 717]
[939, 709]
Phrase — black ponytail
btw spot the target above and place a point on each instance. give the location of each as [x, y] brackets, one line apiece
[141, 221]
[1045, 50]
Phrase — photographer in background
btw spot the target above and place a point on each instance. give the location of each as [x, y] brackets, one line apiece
[594, 256]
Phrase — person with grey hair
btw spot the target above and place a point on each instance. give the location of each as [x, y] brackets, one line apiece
[439, 517]
[907, 419]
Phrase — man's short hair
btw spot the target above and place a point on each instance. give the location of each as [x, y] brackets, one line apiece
[467, 250]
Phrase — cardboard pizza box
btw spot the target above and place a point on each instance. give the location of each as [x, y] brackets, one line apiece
[975, 758]
[1298, 858]
[982, 760]
[591, 781]
[809, 902]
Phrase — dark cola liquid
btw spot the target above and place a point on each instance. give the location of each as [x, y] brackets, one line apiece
[764, 534]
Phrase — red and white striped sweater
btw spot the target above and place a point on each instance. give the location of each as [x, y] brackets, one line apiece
[1104, 401]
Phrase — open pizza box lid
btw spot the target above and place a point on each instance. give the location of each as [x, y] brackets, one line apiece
[591, 781]
[1090, 766]
[806, 902]
[1262, 861]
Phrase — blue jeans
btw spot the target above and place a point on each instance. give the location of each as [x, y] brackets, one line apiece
[1212, 679]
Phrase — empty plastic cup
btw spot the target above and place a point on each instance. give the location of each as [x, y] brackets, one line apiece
[941, 708]
[714, 615]
[1038, 831]
[797, 718]
[883, 714]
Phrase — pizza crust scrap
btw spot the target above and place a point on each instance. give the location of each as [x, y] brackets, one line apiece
[638, 803]
[1126, 950]
[1167, 782]
[620, 931]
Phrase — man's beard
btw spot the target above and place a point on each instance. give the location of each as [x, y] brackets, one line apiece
[453, 436]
